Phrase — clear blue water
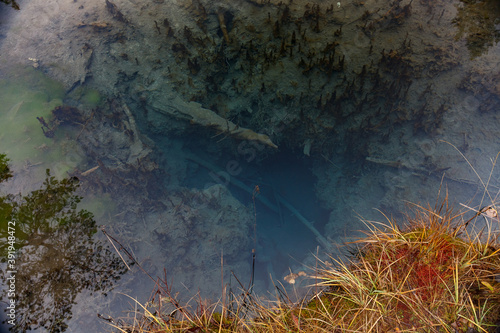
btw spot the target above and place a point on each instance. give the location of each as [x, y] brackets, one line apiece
[336, 111]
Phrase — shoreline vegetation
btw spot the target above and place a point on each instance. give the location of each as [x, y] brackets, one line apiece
[439, 273]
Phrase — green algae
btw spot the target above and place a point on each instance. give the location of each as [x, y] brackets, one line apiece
[90, 98]
[26, 94]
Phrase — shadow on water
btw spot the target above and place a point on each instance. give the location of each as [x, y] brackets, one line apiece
[49, 255]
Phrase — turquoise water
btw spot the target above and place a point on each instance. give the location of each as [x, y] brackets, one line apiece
[204, 131]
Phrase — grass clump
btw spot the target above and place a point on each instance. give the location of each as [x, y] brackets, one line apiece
[434, 275]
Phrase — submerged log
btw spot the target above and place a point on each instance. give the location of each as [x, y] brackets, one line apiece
[196, 114]
[420, 170]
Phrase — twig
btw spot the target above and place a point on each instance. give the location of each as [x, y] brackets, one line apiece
[85, 125]
[109, 238]
[164, 290]
[89, 171]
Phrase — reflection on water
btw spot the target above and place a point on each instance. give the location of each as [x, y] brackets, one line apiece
[53, 256]
[172, 115]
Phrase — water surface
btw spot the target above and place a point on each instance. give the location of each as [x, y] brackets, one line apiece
[201, 131]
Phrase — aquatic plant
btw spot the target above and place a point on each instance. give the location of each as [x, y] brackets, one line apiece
[478, 22]
[12, 3]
